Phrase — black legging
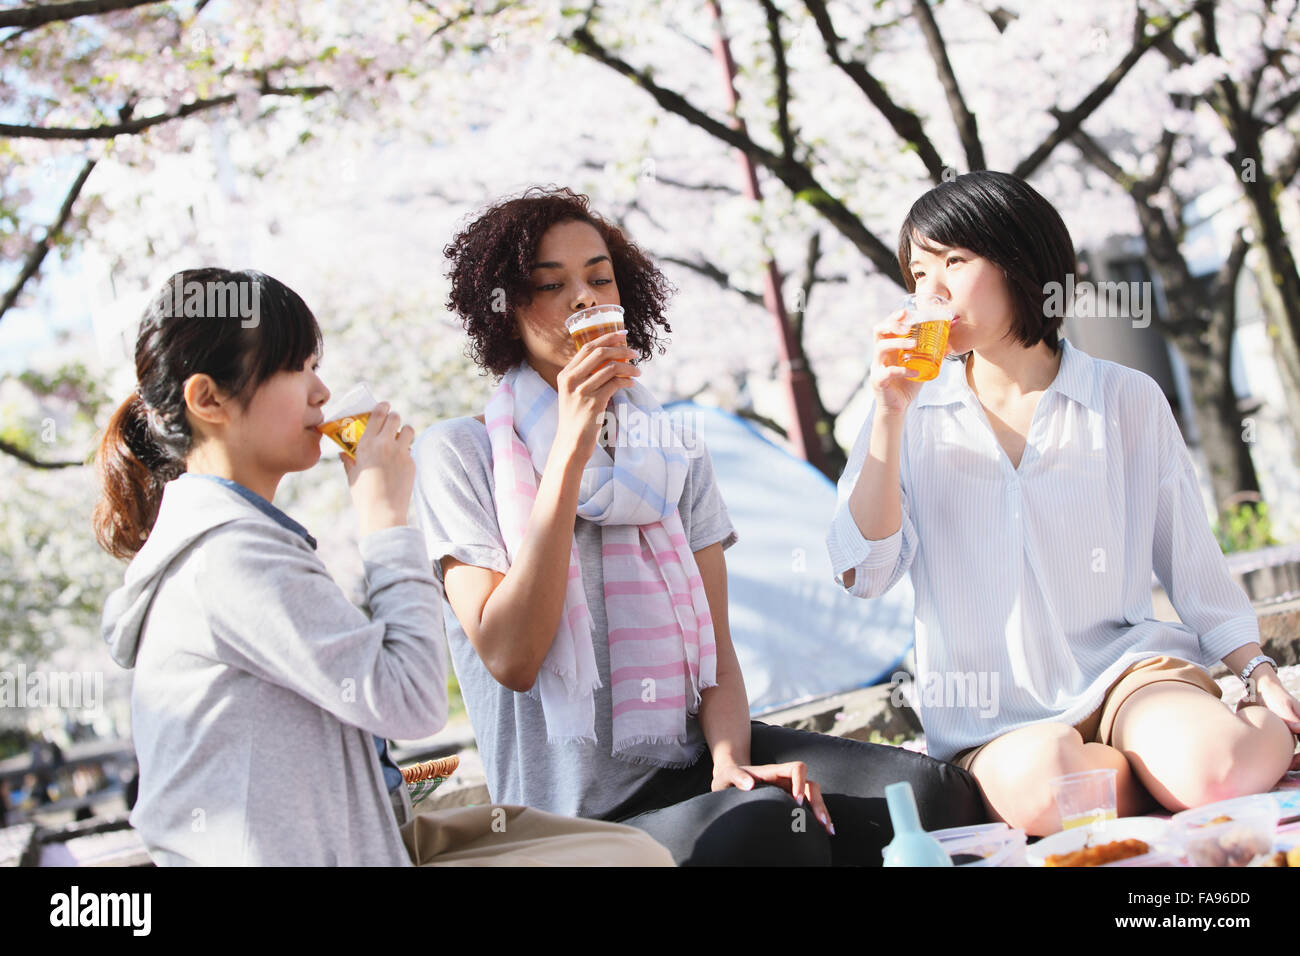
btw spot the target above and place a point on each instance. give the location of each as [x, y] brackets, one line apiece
[764, 826]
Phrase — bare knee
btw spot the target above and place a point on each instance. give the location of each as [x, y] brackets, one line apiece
[1015, 771]
[1249, 760]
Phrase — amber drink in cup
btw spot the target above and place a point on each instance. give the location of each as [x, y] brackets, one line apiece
[590, 324]
[929, 319]
[346, 418]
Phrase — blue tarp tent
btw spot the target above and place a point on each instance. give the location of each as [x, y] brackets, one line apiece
[797, 633]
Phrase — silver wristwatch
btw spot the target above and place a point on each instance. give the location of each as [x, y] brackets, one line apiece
[1253, 663]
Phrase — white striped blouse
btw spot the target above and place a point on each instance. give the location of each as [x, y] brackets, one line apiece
[1033, 584]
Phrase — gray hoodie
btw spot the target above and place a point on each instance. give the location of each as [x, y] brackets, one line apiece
[258, 685]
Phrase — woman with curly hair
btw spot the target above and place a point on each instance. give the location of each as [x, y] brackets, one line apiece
[588, 582]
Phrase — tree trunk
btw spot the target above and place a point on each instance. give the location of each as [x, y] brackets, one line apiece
[1202, 331]
[1261, 191]
[1280, 301]
[834, 460]
[1231, 470]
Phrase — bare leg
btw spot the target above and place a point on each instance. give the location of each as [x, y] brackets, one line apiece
[1188, 749]
[1015, 770]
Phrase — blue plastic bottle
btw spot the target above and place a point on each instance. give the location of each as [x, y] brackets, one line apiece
[912, 846]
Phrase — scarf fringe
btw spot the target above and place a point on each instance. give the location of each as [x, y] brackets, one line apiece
[646, 760]
[577, 693]
[693, 704]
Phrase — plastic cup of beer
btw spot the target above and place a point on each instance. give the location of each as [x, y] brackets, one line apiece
[346, 417]
[1085, 799]
[929, 320]
[590, 324]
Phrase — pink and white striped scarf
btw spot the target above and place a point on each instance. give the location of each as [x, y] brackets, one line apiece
[661, 647]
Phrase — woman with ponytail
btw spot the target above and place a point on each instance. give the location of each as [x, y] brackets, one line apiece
[257, 683]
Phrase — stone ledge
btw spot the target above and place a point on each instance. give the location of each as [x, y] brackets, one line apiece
[1233, 689]
[855, 714]
[1279, 631]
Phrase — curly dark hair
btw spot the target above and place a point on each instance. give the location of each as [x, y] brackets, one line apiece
[495, 252]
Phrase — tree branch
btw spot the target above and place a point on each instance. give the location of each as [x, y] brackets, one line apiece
[1069, 122]
[1273, 58]
[702, 266]
[27, 459]
[763, 420]
[37, 15]
[1253, 81]
[782, 79]
[903, 121]
[109, 131]
[698, 187]
[467, 13]
[1164, 152]
[1282, 107]
[807, 283]
[1286, 170]
[15, 34]
[32, 264]
[795, 176]
[1257, 75]
[1225, 280]
[715, 274]
[1094, 154]
[1162, 244]
[967, 128]
[1173, 52]
[677, 183]
[1002, 18]
[853, 393]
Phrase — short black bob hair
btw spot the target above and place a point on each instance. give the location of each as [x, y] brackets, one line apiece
[1003, 219]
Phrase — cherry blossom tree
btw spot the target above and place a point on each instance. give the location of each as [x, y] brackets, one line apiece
[1039, 58]
[337, 146]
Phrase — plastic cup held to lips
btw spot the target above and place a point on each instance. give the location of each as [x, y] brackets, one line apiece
[929, 320]
[346, 417]
[590, 324]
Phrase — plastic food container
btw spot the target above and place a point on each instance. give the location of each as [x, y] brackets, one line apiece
[1247, 832]
[985, 844]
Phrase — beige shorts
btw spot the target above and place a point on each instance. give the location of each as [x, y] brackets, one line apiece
[1097, 726]
[505, 835]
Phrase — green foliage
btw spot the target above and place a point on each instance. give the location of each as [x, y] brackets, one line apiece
[73, 387]
[1247, 527]
[13, 743]
[455, 701]
[812, 196]
[876, 737]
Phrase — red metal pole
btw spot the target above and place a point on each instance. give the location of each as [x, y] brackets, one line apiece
[802, 429]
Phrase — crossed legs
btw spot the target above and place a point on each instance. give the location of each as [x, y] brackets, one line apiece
[1171, 744]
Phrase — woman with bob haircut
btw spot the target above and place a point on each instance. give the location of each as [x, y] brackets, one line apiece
[255, 678]
[1031, 492]
[587, 579]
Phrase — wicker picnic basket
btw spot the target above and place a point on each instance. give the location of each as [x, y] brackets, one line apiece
[425, 777]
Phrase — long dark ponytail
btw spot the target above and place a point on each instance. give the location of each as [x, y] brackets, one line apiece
[239, 328]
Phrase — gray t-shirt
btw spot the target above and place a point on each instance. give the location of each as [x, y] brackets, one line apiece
[457, 508]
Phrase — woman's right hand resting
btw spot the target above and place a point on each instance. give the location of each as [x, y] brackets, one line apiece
[894, 385]
[585, 387]
[382, 475]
